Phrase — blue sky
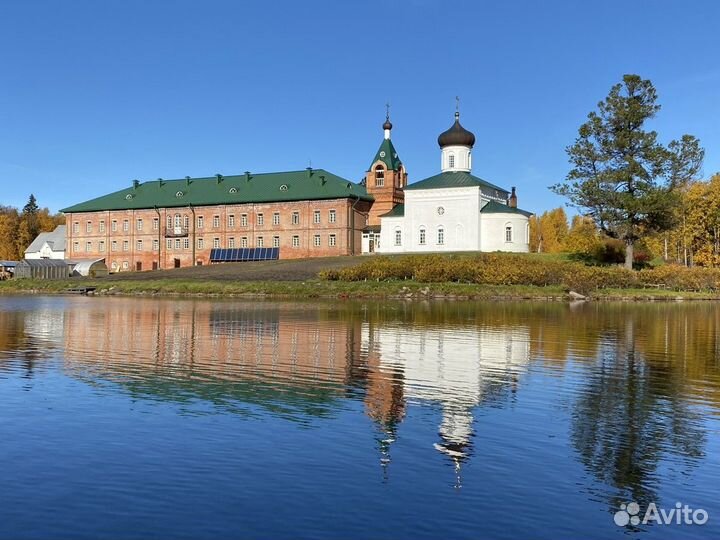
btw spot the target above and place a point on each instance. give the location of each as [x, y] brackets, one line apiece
[95, 94]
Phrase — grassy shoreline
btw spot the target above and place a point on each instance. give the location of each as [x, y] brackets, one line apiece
[315, 288]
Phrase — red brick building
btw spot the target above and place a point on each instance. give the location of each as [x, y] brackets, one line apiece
[173, 223]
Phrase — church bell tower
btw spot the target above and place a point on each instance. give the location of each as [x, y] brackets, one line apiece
[386, 177]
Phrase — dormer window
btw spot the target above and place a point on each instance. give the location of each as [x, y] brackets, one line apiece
[379, 176]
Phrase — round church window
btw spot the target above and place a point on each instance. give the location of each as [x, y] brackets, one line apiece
[440, 210]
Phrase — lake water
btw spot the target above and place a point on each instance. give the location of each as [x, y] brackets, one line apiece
[161, 418]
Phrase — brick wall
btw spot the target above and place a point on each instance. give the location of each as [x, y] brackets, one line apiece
[168, 237]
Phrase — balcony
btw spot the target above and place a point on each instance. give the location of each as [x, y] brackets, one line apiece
[176, 232]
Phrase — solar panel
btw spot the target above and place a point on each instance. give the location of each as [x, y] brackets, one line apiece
[244, 254]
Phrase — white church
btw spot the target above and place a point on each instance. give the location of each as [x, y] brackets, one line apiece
[451, 211]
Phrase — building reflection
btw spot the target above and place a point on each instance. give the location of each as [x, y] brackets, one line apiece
[642, 366]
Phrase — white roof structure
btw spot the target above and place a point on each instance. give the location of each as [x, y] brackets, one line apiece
[48, 245]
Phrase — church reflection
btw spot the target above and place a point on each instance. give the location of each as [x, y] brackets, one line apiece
[297, 360]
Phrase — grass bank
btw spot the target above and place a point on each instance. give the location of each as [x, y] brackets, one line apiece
[455, 276]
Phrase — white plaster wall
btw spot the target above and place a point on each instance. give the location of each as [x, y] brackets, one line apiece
[463, 158]
[459, 219]
[387, 234]
[493, 232]
[45, 253]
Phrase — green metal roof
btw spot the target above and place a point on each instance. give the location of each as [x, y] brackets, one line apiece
[304, 185]
[452, 180]
[388, 155]
[397, 211]
[494, 207]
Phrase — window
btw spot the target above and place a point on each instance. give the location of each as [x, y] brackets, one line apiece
[231, 220]
[186, 243]
[139, 224]
[114, 265]
[296, 241]
[76, 227]
[177, 243]
[88, 246]
[168, 244]
[186, 222]
[296, 218]
[379, 176]
[243, 220]
[216, 221]
[259, 242]
[201, 243]
[276, 241]
[169, 222]
[441, 236]
[156, 224]
[422, 237]
[243, 242]
[260, 219]
[139, 245]
[126, 225]
[216, 243]
[316, 240]
[102, 225]
[114, 245]
[332, 240]
[88, 226]
[200, 222]
[113, 225]
[155, 245]
[508, 233]
[101, 246]
[231, 242]
[332, 216]
[276, 218]
[126, 265]
[398, 237]
[451, 161]
[178, 220]
[126, 245]
[316, 216]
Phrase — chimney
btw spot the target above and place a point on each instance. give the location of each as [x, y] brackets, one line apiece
[136, 184]
[309, 172]
[219, 178]
[187, 180]
[247, 176]
[512, 200]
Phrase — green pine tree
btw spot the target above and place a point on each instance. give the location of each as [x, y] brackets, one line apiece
[622, 176]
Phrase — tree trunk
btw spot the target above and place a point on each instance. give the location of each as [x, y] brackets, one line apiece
[629, 255]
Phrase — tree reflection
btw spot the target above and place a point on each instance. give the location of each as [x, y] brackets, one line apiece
[629, 416]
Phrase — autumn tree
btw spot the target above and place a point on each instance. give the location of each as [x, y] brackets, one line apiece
[548, 231]
[621, 175]
[9, 225]
[583, 237]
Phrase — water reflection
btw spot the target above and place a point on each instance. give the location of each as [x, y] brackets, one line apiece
[636, 381]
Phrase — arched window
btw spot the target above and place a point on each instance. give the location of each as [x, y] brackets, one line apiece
[422, 236]
[177, 220]
[508, 233]
[451, 161]
[398, 237]
[440, 236]
[379, 176]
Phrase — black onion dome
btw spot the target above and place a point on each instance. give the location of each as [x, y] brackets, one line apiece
[387, 124]
[456, 135]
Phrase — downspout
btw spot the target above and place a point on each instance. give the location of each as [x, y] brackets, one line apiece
[192, 209]
[352, 225]
[160, 227]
